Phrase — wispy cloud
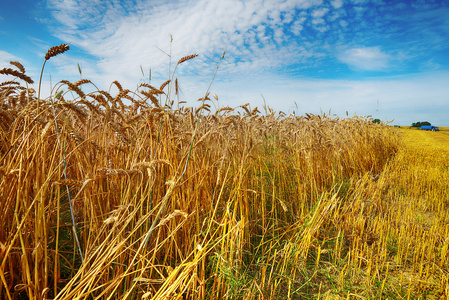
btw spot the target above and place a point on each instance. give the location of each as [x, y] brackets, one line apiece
[263, 38]
[337, 3]
[6, 57]
[258, 35]
[366, 58]
[319, 13]
[405, 99]
[253, 33]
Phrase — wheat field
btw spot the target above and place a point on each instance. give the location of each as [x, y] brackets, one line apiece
[125, 194]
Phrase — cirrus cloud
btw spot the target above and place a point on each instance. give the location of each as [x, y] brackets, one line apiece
[365, 58]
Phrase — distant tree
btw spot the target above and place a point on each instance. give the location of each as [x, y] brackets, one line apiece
[419, 124]
[376, 121]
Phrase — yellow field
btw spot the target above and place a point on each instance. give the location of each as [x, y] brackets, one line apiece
[418, 201]
[129, 195]
[432, 141]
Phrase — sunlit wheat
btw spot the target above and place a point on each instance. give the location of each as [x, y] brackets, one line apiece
[203, 203]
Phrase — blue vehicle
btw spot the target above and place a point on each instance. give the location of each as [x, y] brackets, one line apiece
[431, 128]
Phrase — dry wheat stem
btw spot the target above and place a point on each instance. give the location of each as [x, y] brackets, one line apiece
[53, 51]
[65, 177]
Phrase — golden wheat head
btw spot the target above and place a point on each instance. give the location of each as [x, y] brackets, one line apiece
[186, 58]
[55, 50]
[18, 66]
[9, 71]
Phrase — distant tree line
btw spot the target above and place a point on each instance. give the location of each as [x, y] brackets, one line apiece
[419, 124]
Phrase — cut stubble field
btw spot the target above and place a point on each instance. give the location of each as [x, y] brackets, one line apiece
[125, 194]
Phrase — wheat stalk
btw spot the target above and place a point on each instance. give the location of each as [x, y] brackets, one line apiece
[53, 51]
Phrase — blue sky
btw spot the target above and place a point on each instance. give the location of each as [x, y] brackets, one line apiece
[388, 59]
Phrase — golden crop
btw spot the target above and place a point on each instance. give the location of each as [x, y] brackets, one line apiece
[183, 203]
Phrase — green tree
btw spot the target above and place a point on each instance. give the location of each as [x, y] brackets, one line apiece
[419, 124]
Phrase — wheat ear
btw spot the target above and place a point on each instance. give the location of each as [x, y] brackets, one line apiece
[18, 66]
[186, 58]
[53, 51]
[9, 71]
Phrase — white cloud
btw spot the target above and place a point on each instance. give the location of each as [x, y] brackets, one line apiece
[333, 17]
[430, 65]
[297, 26]
[405, 99]
[337, 3]
[125, 38]
[288, 16]
[322, 28]
[318, 21]
[6, 57]
[365, 58]
[257, 36]
[359, 11]
[320, 12]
